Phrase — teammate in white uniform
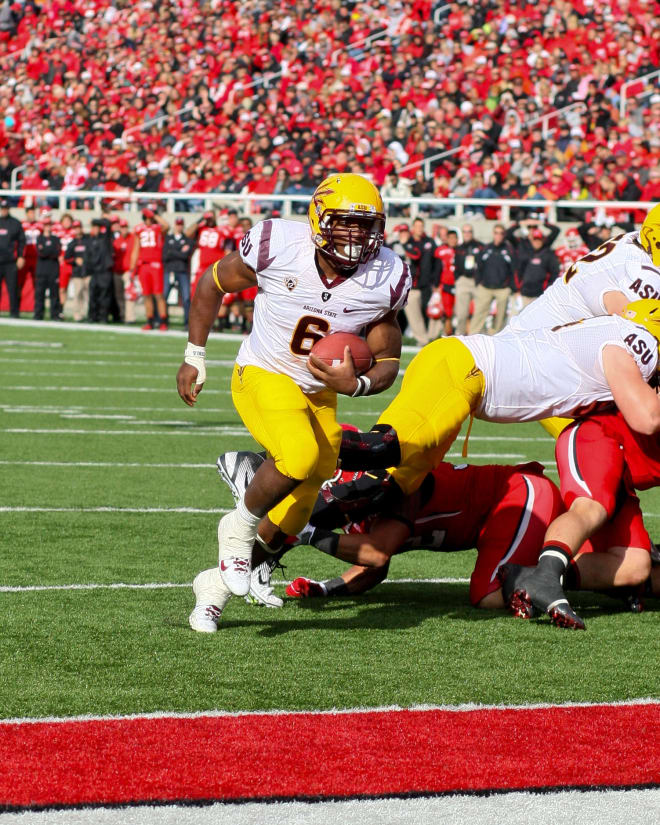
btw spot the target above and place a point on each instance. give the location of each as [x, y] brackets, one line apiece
[334, 278]
[513, 376]
[560, 371]
[622, 269]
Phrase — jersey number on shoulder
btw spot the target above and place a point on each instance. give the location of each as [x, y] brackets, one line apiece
[308, 331]
[598, 253]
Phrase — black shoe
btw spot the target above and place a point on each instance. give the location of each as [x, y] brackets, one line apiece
[544, 592]
[509, 577]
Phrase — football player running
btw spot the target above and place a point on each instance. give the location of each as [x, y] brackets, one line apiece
[566, 371]
[331, 274]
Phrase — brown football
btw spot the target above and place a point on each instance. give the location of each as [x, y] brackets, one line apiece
[331, 350]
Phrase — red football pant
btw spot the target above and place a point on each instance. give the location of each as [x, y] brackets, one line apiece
[514, 529]
[150, 275]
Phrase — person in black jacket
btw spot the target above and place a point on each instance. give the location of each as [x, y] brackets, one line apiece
[76, 255]
[537, 266]
[99, 266]
[494, 279]
[47, 273]
[419, 252]
[465, 267]
[12, 244]
[177, 251]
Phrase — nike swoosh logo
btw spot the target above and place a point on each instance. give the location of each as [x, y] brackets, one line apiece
[352, 310]
[224, 566]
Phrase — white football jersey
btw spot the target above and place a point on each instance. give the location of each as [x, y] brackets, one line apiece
[537, 374]
[295, 306]
[619, 264]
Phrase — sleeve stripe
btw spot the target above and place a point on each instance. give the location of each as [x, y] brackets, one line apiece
[215, 276]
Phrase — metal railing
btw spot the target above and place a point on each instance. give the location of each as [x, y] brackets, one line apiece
[438, 12]
[544, 119]
[623, 100]
[132, 202]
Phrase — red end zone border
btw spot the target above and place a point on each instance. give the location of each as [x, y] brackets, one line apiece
[314, 756]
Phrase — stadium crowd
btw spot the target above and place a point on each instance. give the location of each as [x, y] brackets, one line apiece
[265, 97]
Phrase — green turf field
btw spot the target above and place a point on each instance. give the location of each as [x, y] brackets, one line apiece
[93, 428]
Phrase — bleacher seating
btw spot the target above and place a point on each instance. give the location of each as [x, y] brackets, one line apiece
[265, 97]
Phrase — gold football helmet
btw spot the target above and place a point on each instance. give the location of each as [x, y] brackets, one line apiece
[347, 220]
[646, 313]
[649, 234]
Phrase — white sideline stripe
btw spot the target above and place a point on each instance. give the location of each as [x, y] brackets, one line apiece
[202, 714]
[599, 807]
[38, 588]
[111, 510]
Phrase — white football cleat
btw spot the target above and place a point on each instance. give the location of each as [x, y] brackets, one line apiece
[211, 596]
[235, 553]
[261, 591]
[237, 470]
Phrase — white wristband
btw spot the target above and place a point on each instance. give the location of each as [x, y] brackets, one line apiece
[363, 386]
[195, 356]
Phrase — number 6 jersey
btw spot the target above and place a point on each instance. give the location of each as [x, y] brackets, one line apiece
[296, 306]
[617, 265]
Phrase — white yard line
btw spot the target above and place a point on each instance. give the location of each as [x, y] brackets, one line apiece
[119, 329]
[38, 588]
[234, 430]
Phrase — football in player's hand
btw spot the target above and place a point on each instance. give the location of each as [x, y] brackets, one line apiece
[331, 350]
